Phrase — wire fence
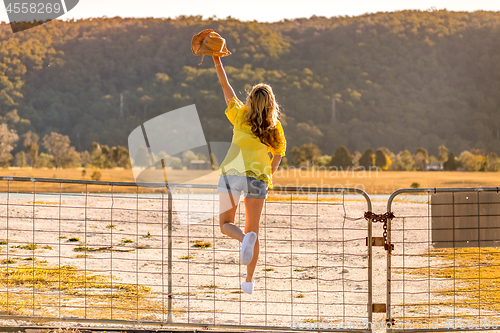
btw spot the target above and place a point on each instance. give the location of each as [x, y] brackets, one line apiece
[444, 270]
[109, 252]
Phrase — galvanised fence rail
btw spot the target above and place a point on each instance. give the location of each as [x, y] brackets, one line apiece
[119, 253]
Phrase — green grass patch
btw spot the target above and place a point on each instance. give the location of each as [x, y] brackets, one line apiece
[29, 246]
[84, 248]
[187, 257]
[8, 261]
[67, 283]
[201, 244]
[209, 286]
[476, 272]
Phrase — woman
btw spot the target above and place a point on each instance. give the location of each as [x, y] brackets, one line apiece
[257, 132]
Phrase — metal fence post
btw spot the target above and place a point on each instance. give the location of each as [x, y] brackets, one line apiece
[389, 258]
[169, 316]
[370, 273]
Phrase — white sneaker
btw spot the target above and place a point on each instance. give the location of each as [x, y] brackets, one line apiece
[246, 252]
[247, 287]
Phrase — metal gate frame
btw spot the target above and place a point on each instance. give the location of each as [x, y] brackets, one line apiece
[169, 322]
[391, 199]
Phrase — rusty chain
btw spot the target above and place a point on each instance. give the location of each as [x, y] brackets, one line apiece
[382, 218]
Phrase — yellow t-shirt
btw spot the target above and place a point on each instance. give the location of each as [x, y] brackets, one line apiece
[248, 156]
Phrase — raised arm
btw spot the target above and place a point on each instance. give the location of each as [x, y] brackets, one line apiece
[221, 74]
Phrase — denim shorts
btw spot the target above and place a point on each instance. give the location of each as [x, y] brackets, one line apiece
[251, 187]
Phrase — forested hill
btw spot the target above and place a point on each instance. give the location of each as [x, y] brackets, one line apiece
[402, 80]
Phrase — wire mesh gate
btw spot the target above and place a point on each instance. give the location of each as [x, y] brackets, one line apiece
[443, 271]
[109, 252]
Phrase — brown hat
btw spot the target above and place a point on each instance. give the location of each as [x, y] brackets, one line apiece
[210, 43]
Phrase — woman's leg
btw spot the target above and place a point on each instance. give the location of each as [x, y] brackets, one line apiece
[253, 210]
[228, 208]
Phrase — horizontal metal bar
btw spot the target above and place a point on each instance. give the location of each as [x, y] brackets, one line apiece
[438, 190]
[428, 330]
[83, 329]
[277, 188]
[165, 324]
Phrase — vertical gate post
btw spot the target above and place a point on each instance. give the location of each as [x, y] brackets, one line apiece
[169, 254]
[388, 317]
[370, 273]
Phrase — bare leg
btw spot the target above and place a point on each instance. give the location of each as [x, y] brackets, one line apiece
[226, 217]
[253, 209]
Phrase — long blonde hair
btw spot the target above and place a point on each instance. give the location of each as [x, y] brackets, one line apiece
[263, 114]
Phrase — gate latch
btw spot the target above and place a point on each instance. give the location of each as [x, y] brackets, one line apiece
[383, 219]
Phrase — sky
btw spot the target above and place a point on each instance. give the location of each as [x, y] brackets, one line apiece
[260, 10]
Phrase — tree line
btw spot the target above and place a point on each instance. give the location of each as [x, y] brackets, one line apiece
[383, 159]
[59, 153]
[400, 80]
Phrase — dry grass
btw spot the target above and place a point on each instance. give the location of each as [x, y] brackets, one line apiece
[201, 244]
[476, 272]
[45, 290]
[373, 182]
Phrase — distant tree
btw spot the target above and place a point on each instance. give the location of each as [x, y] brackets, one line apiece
[162, 156]
[443, 154]
[84, 158]
[342, 158]
[97, 158]
[307, 152]
[451, 162]
[120, 157]
[421, 158]
[404, 161]
[324, 160]
[187, 157]
[493, 163]
[21, 159]
[8, 139]
[366, 161]
[390, 155]
[201, 157]
[175, 163]
[45, 161]
[141, 158]
[59, 146]
[471, 162]
[382, 161]
[106, 157]
[355, 158]
[31, 144]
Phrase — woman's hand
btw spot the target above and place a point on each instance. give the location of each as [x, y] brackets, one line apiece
[221, 74]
